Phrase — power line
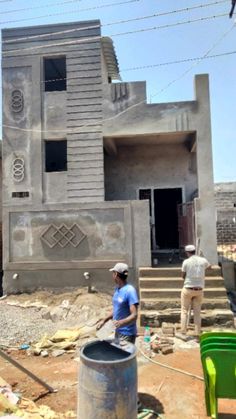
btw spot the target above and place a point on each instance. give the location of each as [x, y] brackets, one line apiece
[76, 1]
[39, 7]
[90, 39]
[186, 60]
[216, 43]
[170, 25]
[145, 67]
[187, 9]
[103, 6]
[200, 6]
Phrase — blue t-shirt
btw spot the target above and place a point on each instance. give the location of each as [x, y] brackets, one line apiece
[122, 299]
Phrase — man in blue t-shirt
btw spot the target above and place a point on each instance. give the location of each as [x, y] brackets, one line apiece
[125, 305]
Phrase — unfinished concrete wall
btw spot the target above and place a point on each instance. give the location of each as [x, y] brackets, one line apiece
[177, 117]
[140, 166]
[53, 247]
[56, 224]
[74, 114]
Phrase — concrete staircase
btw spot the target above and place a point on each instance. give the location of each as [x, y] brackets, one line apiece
[160, 290]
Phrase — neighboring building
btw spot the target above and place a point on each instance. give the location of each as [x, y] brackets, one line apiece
[0, 212]
[225, 201]
[89, 167]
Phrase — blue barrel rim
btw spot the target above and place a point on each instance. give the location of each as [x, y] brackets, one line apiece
[95, 361]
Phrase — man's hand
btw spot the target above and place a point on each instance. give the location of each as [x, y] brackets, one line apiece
[118, 323]
[100, 323]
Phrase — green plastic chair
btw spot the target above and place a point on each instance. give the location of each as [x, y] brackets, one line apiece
[217, 345]
[219, 368]
[210, 335]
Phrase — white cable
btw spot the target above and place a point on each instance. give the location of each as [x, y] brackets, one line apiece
[103, 6]
[175, 11]
[78, 41]
[167, 63]
[39, 7]
[216, 43]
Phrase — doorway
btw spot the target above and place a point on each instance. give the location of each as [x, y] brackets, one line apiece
[163, 204]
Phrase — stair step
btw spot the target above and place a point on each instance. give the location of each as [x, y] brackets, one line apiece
[209, 317]
[167, 303]
[160, 272]
[173, 292]
[172, 272]
[151, 282]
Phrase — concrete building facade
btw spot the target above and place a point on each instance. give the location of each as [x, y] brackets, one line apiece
[225, 200]
[92, 174]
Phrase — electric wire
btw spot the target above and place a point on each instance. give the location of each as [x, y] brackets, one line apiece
[76, 1]
[83, 40]
[102, 6]
[25, 9]
[145, 67]
[30, 37]
[216, 43]
[167, 63]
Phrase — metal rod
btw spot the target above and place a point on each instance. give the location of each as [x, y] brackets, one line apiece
[27, 372]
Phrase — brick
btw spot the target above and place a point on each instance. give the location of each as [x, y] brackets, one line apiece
[167, 350]
[168, 329]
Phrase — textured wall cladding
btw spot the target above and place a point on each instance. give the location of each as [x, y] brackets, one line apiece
[85, 180]
[226, 227]
[225, 199]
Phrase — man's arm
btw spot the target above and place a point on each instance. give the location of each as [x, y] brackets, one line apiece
[130, 319]
[184, 269]
[101, 322]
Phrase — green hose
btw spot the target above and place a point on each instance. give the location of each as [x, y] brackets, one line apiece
[144, 412]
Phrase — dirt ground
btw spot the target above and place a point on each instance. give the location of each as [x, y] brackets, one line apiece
[170, 393]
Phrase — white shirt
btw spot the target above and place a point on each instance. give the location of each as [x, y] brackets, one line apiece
[195, 267]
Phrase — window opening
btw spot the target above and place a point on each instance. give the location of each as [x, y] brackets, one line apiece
[56, 156]
[55, 74]
[20, 194]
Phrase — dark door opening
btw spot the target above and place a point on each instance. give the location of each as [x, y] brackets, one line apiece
[166, 217]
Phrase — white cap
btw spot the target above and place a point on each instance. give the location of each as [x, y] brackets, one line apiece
[122, 268]
[190, 248]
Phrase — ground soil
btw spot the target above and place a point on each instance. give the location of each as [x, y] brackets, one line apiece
[175, 395]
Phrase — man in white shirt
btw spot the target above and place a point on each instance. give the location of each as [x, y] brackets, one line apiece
[193, 273]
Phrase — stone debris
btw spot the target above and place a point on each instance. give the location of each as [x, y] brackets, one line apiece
[167, 350]
[44, 354]
[14, 406]
[168, 329]
[162, 344]
[28, 317]
[58, 352]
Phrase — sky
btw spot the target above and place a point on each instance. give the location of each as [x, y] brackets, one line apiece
[157, 35]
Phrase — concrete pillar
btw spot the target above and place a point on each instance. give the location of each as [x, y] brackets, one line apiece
[206, 215]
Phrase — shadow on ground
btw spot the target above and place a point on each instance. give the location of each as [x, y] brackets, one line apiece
[226, 416]
[150, 402]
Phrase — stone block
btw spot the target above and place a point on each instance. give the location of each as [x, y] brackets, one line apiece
[168, 329]
[167, 350]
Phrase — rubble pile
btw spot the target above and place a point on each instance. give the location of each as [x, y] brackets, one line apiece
[26, 318]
